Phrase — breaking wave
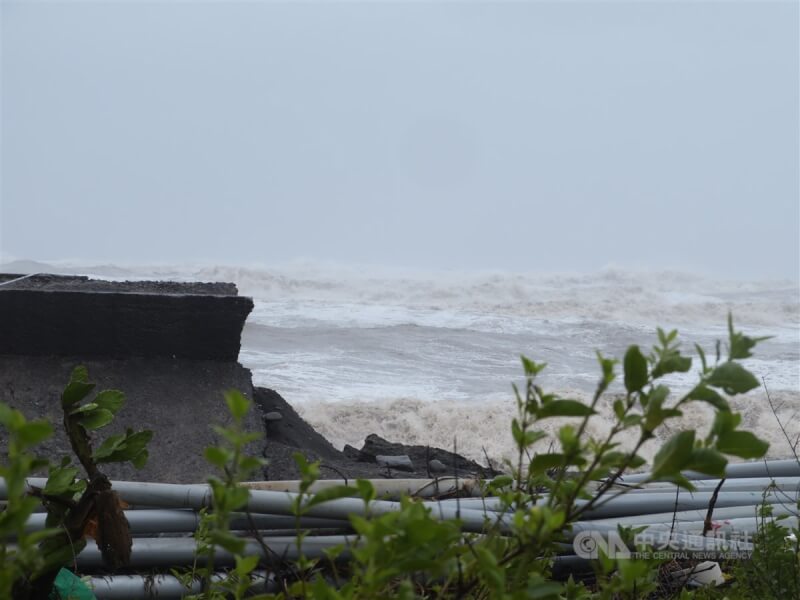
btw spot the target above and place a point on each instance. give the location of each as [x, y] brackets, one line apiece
[482, 429]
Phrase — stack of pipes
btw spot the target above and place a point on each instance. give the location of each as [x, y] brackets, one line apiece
[163, 516]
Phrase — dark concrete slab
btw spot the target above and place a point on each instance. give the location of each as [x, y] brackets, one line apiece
[79, 283]
[50, 315]
[178, 399]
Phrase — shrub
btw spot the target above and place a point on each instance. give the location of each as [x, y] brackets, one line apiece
[411, 552]
[76, 507]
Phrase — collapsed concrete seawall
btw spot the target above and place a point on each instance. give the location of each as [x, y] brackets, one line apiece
[50, 315]
[171, 347]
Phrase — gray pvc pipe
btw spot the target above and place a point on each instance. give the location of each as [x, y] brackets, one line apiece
[787, 485]
[490, 504]
[197, 496]
[655, 501]
[473, 515]
[770, 468]
[630, 504]
[745, 484]
[163, 587]
[719, 514]
[385, 489]
[176, 552]
[184, 521]
[725, 527]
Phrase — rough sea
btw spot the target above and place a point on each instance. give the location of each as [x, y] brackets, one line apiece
[429, 357]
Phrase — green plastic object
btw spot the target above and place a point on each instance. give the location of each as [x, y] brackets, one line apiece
[68, 586]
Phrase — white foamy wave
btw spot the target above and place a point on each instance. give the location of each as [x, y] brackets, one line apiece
[308, 293]
[305, 294]
[483, 427]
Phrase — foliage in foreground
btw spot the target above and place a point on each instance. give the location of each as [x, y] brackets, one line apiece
[76, 507]
[410, 553]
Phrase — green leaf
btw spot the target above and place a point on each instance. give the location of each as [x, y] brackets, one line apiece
[636, 461]
[238, 405]
[219, 457]
[671, 361]
[706, 394]
[545, 462]
[228, 499]
[635, 365]
[39, 536]
[109, 446]
[75, 392]
[10, 418]
[743, 444]
[33, 432]
[517, 433]
[679, 480]
[540, 588]
[656, 414]
[131, 448]
[708, 461]
[674, 455]
[331, 493]
[607, 367]
[111, 400]
[249, 464]
[568, 437]
[230, 542]
[490, 571]
[564, 408]
[308, 470]
[140, 460]
[702, 355]
[733, 378]
[740, 344]
[725, 421]
[531, 368]
[137, 441]
[80, 374]
[619, 409]
[632, 421]
[658, 395]
[96, 419]
[365, 489]
[88, 407]
[245, 564]
[60, 480]
[500, 482]
[532, 436]
[56, 553]
[664, 338]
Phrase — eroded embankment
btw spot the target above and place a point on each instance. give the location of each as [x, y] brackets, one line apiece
[173, 349]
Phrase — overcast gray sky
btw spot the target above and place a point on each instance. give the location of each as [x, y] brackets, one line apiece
[512, 135]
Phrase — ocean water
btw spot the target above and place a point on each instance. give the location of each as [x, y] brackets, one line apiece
[429, 357]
